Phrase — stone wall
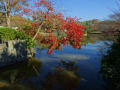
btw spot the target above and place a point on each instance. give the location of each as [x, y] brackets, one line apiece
[13, 51]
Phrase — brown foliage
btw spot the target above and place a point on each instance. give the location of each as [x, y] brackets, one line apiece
[11, 7]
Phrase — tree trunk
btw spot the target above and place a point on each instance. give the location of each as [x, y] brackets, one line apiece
[37, 32]
[8, 21]
[8, 10]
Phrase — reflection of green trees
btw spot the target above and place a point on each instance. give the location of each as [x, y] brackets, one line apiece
[11, 78]
[93, 38]
[111, 67]
[64, 77]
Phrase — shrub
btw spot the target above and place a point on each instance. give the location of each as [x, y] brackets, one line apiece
[21, 35]
[7, 33]
[11, 34]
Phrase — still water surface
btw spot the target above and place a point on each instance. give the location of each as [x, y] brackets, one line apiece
[65, 69]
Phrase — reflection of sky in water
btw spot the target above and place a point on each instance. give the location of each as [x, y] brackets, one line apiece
[86, 63]
[57, 57]
[87, 52]
[88, 58]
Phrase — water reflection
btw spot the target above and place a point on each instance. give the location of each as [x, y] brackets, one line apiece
[65, 56]
[27, 76]
[65, 77]
[110, 67]
[72, 56]
[79, 71]
[17, 77]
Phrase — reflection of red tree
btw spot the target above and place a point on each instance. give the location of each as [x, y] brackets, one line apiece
[64, 77]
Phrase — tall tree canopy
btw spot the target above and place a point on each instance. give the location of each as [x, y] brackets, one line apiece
[12, 7]
[44, 17]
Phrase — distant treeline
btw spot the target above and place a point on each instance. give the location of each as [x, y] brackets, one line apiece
[105, 26]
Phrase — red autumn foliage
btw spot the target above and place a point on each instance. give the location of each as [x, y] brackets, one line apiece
[51, 21]
[26, 10]
[46, 3]
[74, 34]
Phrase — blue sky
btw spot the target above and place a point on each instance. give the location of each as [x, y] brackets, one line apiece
[86, 9]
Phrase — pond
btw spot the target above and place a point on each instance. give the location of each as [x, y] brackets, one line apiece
[65, 69]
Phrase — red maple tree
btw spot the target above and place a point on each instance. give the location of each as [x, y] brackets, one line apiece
[45, 18]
